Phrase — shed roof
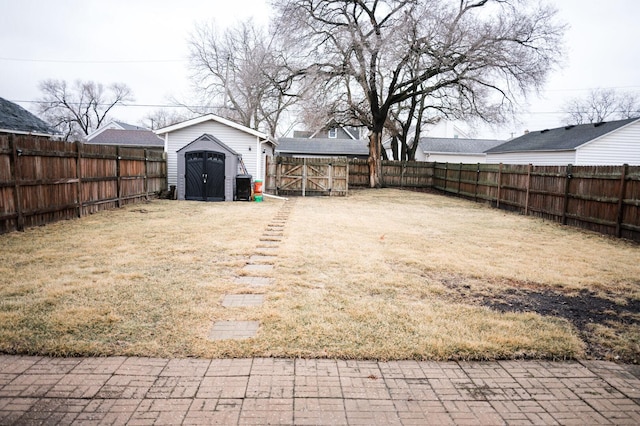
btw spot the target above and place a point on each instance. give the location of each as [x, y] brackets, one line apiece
[211, 138]
[213, 117]
[127, 137]
[561, 138]
[457, 145]
[336, 147]
[15, 119]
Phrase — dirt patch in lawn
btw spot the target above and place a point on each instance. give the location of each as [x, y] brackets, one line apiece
[605, 323]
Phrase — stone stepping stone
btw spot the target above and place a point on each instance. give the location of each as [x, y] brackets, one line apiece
[224, 330]
[268, 244]
[254, 281]
[259, 258]
[259, 268]
[242, 300]
[266, 251]
[270, 238]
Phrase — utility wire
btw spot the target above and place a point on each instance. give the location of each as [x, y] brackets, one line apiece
[73, 61]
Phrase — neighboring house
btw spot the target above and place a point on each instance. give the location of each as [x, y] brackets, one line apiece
[201, 153]
[119, 125]
[454, 150]
[607, 143]
[17, 120]
[307, 148]
[332, 130]
[138, 138]
[446, 129]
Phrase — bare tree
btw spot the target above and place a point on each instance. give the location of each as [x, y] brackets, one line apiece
[243, 74]
[471, 57]
[78, 109]
[600, 105]
[164, 117]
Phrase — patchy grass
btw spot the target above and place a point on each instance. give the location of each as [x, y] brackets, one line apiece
[381, 274]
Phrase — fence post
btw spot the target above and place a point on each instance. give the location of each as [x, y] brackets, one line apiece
[404, 166]
[146, 174]
[14, 165]
[475, 190]
[499, 184]
[278, 174]
[623, 188]
[566, 194]
[446, 173]
[526, 200]
[459, 177]
[304, 176]
[330, 180]
[119, 178]
[79, 176]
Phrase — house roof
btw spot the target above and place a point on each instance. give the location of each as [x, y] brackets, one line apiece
[127, 137]
[15, 119]
[457, 145]
[212, 117]
[336, 147]
[562, 138]
[127, 126]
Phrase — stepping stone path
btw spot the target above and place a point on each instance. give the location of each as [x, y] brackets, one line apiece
[255, 275]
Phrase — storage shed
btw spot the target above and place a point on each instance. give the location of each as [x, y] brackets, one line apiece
[209, 147]
[207, 169]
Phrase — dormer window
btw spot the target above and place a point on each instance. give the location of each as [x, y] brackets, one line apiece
[333, 133]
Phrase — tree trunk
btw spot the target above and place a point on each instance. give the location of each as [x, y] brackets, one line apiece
[375, 159]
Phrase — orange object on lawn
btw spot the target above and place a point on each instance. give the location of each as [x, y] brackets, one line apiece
[257, 187]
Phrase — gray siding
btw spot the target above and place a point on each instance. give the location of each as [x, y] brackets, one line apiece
[616, 148]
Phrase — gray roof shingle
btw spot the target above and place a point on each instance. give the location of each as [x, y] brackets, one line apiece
[457, 145]
[561, 138]
[336, 147]
[15, 118]
[128, 137]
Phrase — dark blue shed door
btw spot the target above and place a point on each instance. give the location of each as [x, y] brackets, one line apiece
[204, 176]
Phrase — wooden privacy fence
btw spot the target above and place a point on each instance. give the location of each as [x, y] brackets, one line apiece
[395, 174]
[42, 181]
[307, 176]
[604, 199]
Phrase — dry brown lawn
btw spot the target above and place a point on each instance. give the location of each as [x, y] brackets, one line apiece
[381, 274]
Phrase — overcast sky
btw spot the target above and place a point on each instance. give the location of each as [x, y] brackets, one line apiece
[143, 43]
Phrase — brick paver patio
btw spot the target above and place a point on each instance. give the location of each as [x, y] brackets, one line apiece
[128, 390]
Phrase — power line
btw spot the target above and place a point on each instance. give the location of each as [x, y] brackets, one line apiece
[121, 104]
[78, 61]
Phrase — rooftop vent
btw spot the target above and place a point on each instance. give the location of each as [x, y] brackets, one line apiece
[598, 124]
[544, 131]
[571, 126]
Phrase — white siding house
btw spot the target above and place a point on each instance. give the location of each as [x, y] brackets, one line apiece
[607, 143]
[251, 145]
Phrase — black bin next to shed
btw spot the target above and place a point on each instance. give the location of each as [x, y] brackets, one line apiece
[243, 187]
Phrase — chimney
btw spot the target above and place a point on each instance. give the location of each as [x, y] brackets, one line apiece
[526, 132]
